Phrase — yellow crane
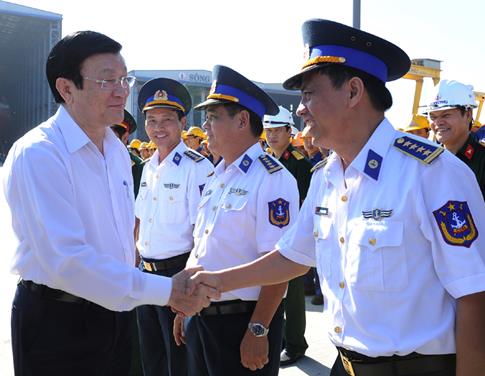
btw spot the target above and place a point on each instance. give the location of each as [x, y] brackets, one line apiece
[420, 69]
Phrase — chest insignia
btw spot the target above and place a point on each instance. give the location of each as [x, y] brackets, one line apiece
[171, 185]
[421, 151]
[456, 224]
[377, 214]
[238, 191]
[279, 212]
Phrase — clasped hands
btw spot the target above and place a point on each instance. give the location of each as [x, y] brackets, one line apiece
[192, 290]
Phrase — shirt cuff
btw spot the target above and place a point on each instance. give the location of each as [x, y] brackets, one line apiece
[466, 286]
[157, 289]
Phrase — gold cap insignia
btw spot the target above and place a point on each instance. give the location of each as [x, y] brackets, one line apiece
[213, 87]
[161, 95]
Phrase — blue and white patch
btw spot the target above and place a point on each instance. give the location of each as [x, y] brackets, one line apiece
[279, 212]
[456, 224]
[373, 164]
[419, 150]
[245, 163]
[176, 158]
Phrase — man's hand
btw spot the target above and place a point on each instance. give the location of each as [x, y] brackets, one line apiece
[178, 330]
[203, 278]
[254, 351]
[200, 296]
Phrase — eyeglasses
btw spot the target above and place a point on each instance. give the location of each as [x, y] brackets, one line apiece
[125, 82]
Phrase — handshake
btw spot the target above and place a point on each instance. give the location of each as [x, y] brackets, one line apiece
[192, 290]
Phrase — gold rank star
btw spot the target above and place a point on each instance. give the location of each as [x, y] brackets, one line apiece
[451, 207]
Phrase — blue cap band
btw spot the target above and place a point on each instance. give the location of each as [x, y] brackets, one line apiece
[244, 99]
[170, 98]
[354, 58]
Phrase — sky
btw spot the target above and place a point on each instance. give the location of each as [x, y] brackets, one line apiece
[262, 38]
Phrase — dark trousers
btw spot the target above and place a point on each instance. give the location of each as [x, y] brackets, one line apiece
[159, 353]
[213, 345]
[338, 370]
[295, 323]
[53, 338]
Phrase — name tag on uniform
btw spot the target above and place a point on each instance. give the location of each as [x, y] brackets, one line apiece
[320, 210]
[238, 191]
[171, 185]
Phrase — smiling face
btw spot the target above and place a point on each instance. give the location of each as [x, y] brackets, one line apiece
[450, 126]
[163, 126]
[92, 105]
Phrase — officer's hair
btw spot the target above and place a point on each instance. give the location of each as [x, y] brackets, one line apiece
[379, 95]
[67, 56]
[255, 121]
[463, 111]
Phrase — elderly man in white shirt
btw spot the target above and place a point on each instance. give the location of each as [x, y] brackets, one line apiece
[69, 187]
[166, 209]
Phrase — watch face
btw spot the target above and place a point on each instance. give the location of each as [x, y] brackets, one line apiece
[258, 330]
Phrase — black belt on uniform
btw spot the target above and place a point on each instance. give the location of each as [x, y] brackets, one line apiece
[229, 307]
[52, 294]
[170, 263]
[356, 364]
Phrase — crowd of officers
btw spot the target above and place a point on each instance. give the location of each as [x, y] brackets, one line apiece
[247, 189]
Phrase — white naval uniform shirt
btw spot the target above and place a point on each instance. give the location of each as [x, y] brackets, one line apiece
[243, 212]
[72, 214]
[390, 282]
[167, 202]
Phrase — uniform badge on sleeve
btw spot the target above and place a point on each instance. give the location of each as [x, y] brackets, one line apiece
[279, 212]
[456, 224]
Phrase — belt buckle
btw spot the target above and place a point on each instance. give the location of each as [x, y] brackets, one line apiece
[347, 364]
[147, 266]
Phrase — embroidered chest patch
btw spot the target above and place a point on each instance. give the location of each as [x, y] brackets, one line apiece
[456, 223]
[279, 212]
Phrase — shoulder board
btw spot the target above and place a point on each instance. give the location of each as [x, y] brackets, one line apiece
[422, 151]
[269, 163]
[320, 164]
[193, 155]
[299, 156]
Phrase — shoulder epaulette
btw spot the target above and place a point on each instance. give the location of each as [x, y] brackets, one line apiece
[320, 164]
[269, 163]
[299, 156]
[193, 155]
[422, 151]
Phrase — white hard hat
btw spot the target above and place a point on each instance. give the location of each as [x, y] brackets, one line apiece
[282, 119]
[452, 94]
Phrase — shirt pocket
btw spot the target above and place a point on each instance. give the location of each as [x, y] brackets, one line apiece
[172, 208]
[323, 246]
[232, 211]
[376, 258]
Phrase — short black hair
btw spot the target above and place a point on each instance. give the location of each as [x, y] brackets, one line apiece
[67, 56]
[463, 110]
[255, 121]
[379, 95]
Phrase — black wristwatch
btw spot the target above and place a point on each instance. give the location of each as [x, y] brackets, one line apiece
[257, 329]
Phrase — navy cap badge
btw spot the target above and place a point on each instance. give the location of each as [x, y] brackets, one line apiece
[160, 95]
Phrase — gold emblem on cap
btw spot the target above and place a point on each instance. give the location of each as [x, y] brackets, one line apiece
[373, 164]
[213, 87]
[306, 52]
[160, 95]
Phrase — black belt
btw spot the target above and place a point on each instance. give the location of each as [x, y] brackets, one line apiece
[161, 265]
[229, 307]
[356, 364]
[52, 294]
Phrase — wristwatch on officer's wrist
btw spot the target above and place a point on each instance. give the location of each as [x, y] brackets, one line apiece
[257, 329]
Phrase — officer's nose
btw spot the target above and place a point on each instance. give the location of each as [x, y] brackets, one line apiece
[301, 110]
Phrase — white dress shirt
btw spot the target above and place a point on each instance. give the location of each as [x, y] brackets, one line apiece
[167, 202]
[390, 271]
[243, 212]
[73, 216]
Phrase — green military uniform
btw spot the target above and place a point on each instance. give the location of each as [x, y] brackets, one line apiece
[473, 154]
[294, 334]
[136, 170]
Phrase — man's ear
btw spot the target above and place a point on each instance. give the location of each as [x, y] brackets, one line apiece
[355, 90]
[244, 119]
[183, 121]
[65, 88]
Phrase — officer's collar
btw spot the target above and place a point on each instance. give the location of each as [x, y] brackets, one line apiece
[371, 157]
[74, 136]
[245, 160]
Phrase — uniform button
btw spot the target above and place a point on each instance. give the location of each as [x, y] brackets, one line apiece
[214, 208]
[157, 176]
[170, 198]
[228, 206]
[344, 198]
[372, 241]
[342, 240]
[341, 285]
[206, 231]
[150, 220]
[315, 234]
[146, 243]
[337, 329]
[154, 199]
[222, 185]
